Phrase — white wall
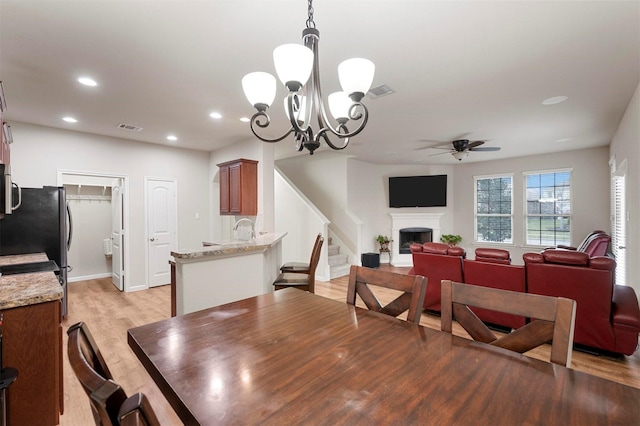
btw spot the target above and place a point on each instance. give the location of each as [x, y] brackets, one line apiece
[369, 197]
[335, 183]
[302, 223]
[626, 146]
[589, 192]
[323, 182]
[38, 152]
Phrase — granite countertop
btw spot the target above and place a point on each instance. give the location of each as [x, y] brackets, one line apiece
[27, 289]
[214, 249]
[16, 259]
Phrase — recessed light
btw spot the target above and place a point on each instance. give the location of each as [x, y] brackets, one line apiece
[87, 81]
[563, 140]
[245, 119]
[555, 100]
[215, 115]
[70, 119]
[172, 138]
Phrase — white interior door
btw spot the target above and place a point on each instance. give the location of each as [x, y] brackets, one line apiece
[117, 234]
[161, 228]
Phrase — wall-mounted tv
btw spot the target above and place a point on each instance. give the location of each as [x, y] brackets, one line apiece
[418, 191]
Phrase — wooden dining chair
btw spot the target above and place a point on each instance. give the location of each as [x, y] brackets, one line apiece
[109, 403]
[553, 318]
[413, 288]
[301, 267]
[302, 281]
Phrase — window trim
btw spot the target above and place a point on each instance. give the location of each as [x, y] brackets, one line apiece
[475, 209]
[525, 215]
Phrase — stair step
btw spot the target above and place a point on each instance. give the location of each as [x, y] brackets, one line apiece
[333, 250]
[339, 270]
[338, 259]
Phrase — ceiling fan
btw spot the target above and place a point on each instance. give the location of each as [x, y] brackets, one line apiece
[461, 148]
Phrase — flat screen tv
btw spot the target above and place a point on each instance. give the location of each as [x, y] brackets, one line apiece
[418, 191]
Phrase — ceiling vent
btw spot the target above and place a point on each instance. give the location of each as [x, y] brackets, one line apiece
[129, 127]
[379, 91]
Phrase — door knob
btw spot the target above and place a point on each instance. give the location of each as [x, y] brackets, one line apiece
[152, 239]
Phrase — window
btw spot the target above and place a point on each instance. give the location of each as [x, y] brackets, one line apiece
[548, 214]
[494, 206]
[619, 221]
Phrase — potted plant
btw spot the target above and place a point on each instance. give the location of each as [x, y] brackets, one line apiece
[451, 239]
[384, 241]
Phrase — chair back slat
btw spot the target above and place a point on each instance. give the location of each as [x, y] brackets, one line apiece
[472, 324]
[413, 288]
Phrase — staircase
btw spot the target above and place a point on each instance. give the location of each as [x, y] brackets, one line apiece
[339, 265]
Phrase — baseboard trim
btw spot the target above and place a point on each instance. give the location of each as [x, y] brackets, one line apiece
[88, 277]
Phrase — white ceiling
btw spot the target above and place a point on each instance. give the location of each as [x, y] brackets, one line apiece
[475, 69]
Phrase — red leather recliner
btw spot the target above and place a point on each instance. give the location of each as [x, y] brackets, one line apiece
[492, 268]
[607, 315]
[437, 262]
[594, 244]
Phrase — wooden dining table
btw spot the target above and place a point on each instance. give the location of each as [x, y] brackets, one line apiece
[296, 358]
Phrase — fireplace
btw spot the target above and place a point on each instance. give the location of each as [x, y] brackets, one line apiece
[409, 236]
[403, 221]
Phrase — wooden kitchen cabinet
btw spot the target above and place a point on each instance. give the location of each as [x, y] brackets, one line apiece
[32, 344]
[239, 187]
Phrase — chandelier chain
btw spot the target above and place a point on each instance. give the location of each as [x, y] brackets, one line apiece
[310, 22]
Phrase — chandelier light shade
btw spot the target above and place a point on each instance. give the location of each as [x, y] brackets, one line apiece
[339, 105]
[260, 89]
[293, 65]
[356, 76]
[297, 67]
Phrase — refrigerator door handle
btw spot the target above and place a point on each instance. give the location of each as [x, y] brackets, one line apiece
[70, 230]
[17, 206]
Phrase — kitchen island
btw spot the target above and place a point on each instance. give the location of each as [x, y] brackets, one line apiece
[225, 271]
[32, 342]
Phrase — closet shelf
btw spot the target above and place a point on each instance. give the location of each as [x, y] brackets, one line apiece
[89, 197]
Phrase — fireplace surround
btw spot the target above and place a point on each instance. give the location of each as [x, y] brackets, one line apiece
[403, 221]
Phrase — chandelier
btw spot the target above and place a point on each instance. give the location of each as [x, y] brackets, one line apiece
[298, 68]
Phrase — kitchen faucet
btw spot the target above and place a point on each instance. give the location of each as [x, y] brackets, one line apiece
[253, 229]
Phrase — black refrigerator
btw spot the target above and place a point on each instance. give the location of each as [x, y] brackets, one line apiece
[41, 223]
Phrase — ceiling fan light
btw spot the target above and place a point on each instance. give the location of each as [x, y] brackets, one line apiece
[260, 89]
[460, 155]
[356, 75]
[293, 64]
[339, 105]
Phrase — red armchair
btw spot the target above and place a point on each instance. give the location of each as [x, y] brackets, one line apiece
[437, 262]
[607, 315]
[594, 244]
[492, 268]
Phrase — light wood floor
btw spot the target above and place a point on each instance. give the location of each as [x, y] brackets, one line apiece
[110, 313]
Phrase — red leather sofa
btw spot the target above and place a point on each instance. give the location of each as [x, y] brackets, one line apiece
[492, 268]
[437, 262]
[607, 315]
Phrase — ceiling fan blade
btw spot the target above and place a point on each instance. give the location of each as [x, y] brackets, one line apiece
[486, 148]
[474, 144]
[446, 146]
[440, 153]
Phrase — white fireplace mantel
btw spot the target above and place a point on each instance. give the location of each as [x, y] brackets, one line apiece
[411, 220]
